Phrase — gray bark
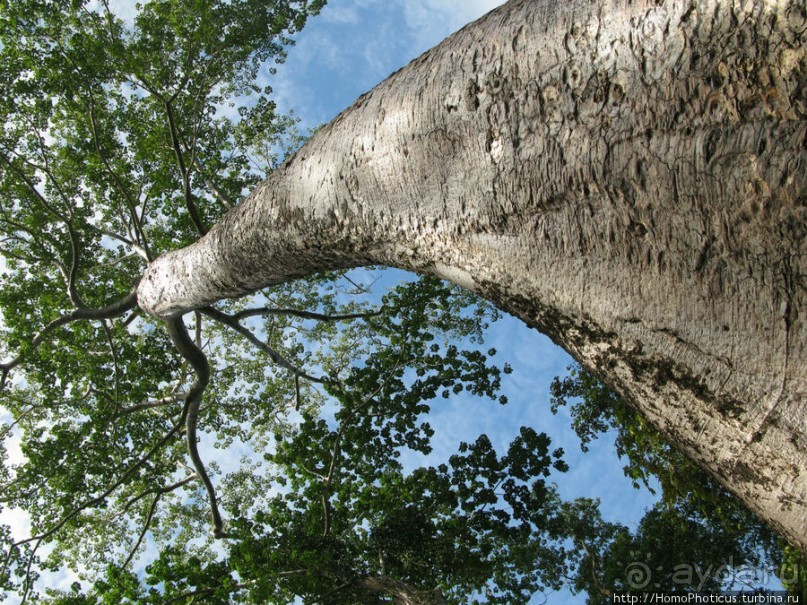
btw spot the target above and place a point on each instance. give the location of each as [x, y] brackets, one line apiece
[628, 177]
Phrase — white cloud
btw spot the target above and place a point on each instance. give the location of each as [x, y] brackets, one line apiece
[340, 13]
[355, 44]
[432, 20]
[125, 9]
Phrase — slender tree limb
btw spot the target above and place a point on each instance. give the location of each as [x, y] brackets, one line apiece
[121, 480]
[193, 401]
[184, 172]
[152, 510]
[151, 405]
[215, 189]
[35, 241]
[144, 529]
[136, 248]
[28, 583]
[359, 288]
[71, 273]
[327, 481]
[203, 591]
[314, 474]
[110, 20]
[66, 218]
[272, 354]
[32, 186]
[326, 511]
[169, 488]
[246, 313]
[142, 242]
[115, 361]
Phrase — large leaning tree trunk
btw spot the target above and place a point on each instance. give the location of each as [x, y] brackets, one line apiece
[629, 177]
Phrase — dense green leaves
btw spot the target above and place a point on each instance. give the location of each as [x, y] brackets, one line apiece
[118, 144]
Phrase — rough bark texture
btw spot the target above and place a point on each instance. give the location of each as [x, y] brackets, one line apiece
[629, 177]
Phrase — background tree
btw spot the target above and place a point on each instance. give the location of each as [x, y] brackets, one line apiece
[697, 537]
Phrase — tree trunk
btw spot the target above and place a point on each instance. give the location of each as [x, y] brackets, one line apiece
[626, 176]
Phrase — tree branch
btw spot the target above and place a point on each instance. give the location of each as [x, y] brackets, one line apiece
[246, 313]
[140, 235]
[215, 189]
[183, 170]
[204, 591]
[193, 401]
[123, 478]
[151, 405]
[152, 509]
[67, 219]
[233, 323]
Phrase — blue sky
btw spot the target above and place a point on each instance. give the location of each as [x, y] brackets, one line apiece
[355, 44]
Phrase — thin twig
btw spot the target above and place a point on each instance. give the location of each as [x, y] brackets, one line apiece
[123, 478]
[140, 235]
[152, 509]
[215, 189]
[151, 405]
[246, 313]
[193, 211]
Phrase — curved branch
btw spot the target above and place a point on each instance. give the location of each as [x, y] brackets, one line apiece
[193, 401]
[71, 276]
